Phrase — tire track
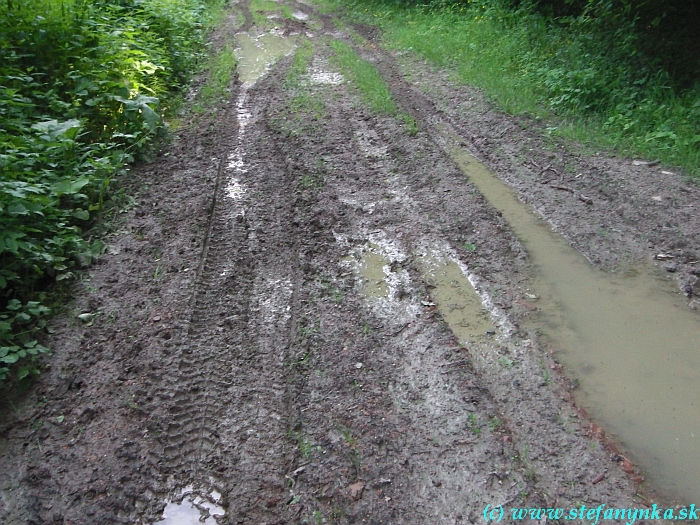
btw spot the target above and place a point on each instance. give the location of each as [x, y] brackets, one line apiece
[228, 415]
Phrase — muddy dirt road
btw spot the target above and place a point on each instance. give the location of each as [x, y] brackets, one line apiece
[309, 313]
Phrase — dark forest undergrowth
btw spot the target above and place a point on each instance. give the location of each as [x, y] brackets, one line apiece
[83, 86]
[615, 75]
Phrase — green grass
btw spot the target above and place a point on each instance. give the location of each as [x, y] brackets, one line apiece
[304, 106]
[218, 85]
[369, 83]
[300, 66]
[260, 9]
[364, 76]
[601, 94]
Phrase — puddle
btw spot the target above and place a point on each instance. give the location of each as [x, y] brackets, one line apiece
[256, 55]
[372, 271]
[378, 264]
[319, 77]
[459, 304]
[628, 337]
[193, 510]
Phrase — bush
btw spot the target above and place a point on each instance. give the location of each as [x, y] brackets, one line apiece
[81, 85]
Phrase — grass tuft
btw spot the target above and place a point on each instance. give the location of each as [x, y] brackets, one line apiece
[218, 84]
[373, 90]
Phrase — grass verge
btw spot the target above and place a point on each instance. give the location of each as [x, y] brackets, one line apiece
[593, 87]
[364, 76]
[371, 86]
[218, 84]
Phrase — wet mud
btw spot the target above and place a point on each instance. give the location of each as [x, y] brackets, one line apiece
[307, 314]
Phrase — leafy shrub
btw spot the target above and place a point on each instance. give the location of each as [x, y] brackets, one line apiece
[80, 89]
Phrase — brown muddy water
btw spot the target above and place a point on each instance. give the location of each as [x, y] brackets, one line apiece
[256, 54]
[371, 270]
[627, 337]
[459, 304]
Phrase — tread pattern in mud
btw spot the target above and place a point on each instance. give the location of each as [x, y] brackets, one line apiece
[229, 410]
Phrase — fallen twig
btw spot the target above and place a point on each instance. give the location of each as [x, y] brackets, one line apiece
[558, 187]
[585, 199]
[457, 363]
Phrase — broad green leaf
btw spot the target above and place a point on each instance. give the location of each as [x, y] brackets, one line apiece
[9, 359]
[81, 214]
[14, 305]
[54, 128]
[67, 187]
[17, 208]
[11, 245]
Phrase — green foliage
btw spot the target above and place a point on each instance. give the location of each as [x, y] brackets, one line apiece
[373, 90]
[18, 326]
[80, 90]
[602, 67]
[218, 85]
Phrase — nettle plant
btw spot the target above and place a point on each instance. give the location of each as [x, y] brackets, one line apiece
[81, 85]
[18, 326]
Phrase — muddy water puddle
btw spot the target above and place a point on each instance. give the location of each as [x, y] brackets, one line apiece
[628, 337]
[256, 54]
[371, 269]
[193, 509]
[459, 304]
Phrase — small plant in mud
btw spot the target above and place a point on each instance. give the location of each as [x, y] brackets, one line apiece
[131, 403]
[356, 460]
[305, 331]
[306, 448]
[494, 424]
[505, 362]
[410, 124]
[469, 247]
[337, 514]
[347, 435]
[547, 378]
[530, 474]
[318, 517]
[336, 293]
[473, 424]
[311, 181]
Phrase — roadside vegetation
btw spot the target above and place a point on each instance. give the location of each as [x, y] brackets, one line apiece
[370, 84]
[620, 74]
[83, 87]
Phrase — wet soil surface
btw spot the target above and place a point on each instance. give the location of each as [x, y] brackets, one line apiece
[274, 338]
